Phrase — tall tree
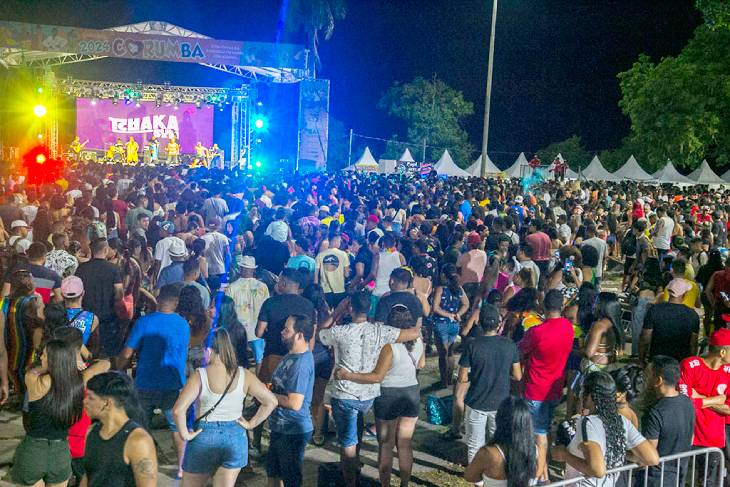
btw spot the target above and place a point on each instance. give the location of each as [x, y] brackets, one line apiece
[678, 107]
[434, 113]
[572, 151]
[315, 17]
[716, 13]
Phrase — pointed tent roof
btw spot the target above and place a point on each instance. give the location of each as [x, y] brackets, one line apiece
[476, 168]
[726, 176]
[514, 170]
[632, 171]
[595, 170]
[669, 174]
[705, 175]
[366, 162]
[446, 166]
[406, 156]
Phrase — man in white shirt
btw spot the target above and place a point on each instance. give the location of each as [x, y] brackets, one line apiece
[162, 256]
[333, 266]
[663, 232]
[217, 251]
[601, 247]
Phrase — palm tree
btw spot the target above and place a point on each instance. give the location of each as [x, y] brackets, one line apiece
[313, 17]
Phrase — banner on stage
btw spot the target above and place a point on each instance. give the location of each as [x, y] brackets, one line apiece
[102, 122]
[313, 123]
[149, 47]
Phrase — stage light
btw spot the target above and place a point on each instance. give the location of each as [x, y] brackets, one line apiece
[259, 104]
[40, 111]
[40, 159]
[137, 105]
[39, 89]
[40, 136]
[197, 104]
[250, 167]
[259, 123]
[93, 101]
[176, 106]
[258, 163]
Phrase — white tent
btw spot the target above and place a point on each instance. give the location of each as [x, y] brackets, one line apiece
[366, 162]
[726, 176]
[446, 167]
[387, 166]
[476, 168]
[406, 156]
[705, 175]
[596, 171]
[669, 174]
[632, 171]
[515, 171]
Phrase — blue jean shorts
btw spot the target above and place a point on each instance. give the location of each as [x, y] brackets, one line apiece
[257, 347]
[220, 444]
[446, 330]
[345, 413]
[542, 415]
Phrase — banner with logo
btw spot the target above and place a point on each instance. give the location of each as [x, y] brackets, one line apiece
[101, 122]
[149, 47]
[314, 95]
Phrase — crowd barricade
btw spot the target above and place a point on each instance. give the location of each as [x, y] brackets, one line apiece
[698, 468]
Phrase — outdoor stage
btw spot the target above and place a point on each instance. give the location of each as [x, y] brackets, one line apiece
[248, 121]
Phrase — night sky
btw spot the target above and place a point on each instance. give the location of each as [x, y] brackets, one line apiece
[555, 62]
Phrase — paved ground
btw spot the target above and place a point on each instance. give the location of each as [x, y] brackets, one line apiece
[437, 461]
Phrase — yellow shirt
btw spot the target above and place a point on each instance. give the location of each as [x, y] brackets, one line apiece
[689, 299]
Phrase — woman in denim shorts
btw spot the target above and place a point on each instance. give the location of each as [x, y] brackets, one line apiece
[449, 305]
[218, 444]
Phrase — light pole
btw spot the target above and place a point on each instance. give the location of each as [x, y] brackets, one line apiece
[488, 101]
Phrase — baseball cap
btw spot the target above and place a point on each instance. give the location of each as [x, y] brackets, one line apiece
[72, 287]
[167, 226]
[18, 223]
[214, 223]
[177, 248]
[373, 218]
[324, 208]
[518, 199]
[678, 287]
[721, 338]
[247, 262]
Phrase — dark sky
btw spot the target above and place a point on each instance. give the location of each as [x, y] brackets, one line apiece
[555, 62]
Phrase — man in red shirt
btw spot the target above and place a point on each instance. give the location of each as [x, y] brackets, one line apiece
[545, 349]
[705, 380]
[540, 243]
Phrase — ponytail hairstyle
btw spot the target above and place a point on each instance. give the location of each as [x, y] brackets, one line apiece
[450, 278]
[119, 387]
[602, 389]
[608, 307]
[514, 434]
[222, 346]
[629, 380]
[65, 399]
[400, 317]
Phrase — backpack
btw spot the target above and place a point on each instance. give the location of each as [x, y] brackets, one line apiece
[628, 244]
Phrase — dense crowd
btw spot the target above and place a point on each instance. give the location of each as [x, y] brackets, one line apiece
[249, 307]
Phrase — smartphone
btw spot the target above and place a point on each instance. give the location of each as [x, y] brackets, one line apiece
[724, 296]
[568, 264]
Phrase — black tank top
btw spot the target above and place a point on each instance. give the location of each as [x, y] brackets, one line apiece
[104, 459]
[40, 424]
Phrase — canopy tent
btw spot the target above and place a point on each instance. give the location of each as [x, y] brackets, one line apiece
[366, 162]
[726, 176]
[406, 156]
[514, 170]
[476, 168]
[669, 174]
[446, 167]
[632, 171]
[387, 166]
[595, 170]
[705, 175]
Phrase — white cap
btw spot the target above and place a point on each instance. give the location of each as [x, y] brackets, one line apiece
[247, 262]
[518, 199]
[18, 223]
[177, 248]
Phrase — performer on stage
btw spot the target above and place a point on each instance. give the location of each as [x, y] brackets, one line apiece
[201, 156]
[215, 158]
[76, 147]
[154, 149]
[558, 169]
[173, 151]
[132, 151]
[534, 162]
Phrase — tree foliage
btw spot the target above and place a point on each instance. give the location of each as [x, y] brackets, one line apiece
[315, 17]
[678, 107]
[571, 149]
[716, 13]
[434, 112]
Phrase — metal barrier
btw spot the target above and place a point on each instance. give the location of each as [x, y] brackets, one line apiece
[709, 461]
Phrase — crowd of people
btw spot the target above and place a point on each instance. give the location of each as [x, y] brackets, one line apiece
[251, 307]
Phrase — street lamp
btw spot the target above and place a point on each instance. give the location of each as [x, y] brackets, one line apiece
[488, 101]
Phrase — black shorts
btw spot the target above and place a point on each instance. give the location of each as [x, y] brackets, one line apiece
[628, 262]
[324, 363]
[397, 402]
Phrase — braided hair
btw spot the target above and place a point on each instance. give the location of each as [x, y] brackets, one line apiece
[602, 389]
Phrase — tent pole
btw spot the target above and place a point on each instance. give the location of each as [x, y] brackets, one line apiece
[488, 101]
[349, 151]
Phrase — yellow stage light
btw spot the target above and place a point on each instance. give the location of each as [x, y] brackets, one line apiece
[40, 158]
[39, 110]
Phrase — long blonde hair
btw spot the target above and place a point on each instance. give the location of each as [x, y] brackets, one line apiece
[223, 347]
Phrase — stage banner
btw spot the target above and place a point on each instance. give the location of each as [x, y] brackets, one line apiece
[314, 97]
[149, 47]
[101, 122]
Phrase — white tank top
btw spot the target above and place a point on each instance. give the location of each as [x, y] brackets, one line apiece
[230, 408]
[387, 262]
[402, 372]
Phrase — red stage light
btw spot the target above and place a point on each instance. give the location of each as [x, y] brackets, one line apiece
[40, 167]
